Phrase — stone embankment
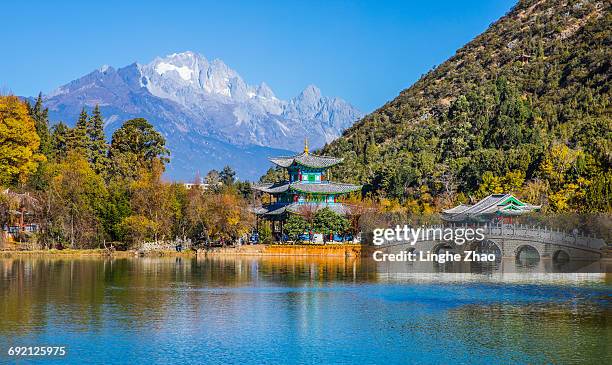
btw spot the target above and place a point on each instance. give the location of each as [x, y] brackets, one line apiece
[350, 250]
[332, 250]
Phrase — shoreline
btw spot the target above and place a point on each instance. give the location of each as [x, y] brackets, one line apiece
[329, 250]
[261, 250]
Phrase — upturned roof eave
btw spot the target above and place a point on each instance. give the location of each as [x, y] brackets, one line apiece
[295, 187]
[287, 161]
[327, 192]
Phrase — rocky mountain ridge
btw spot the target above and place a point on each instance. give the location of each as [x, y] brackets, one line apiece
[205, 110]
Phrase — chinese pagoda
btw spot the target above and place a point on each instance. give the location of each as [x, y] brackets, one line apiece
[306, 188]
[493, 208]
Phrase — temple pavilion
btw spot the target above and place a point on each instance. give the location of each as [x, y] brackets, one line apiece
[307, 187]
[493, 208]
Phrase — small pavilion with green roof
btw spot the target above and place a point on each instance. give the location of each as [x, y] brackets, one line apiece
[306, 187]
[495, 207]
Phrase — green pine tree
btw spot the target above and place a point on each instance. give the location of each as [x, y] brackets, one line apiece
[77, 139]
[97, 148]
[60, 138]
[40, 115]
[41, 120]
[135, 146]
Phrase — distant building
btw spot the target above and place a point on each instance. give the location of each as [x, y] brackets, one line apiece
[202, 186]
[19, 220]
[495, 207]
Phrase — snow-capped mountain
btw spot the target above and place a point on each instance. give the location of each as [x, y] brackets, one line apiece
[208, 114]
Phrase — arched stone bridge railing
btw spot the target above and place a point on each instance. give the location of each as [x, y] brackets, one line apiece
[510, 240]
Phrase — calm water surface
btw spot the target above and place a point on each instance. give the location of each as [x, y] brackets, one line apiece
[297, 310]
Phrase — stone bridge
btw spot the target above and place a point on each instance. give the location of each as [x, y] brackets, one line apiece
[512, 241]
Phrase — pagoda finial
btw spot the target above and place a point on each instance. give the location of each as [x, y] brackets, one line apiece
[306, 145]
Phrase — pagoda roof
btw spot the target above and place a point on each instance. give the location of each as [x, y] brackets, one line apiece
[272, 188]
[306, 159]
[494, 204]
[458, 209]
[326, 187]
[278, 209]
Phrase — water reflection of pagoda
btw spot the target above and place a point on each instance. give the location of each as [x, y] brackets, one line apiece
[306, 190]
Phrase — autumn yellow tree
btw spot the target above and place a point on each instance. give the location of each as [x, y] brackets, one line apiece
[512, 182]
[19, 142]
[360, 207]
[225, 214]
[556, 164]
[571, 175]
[196, 212]
[74, 200]
[153, 206]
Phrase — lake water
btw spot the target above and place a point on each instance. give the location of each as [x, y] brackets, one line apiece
[283, 310]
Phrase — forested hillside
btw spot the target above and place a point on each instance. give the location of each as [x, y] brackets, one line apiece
[524, 107]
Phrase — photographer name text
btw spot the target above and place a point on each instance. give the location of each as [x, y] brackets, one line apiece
[410, 236]
[407, 256]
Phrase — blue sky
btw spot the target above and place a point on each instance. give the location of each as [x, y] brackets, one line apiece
[363, 51]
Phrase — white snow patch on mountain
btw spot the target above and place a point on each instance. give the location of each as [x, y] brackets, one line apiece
[184, 72]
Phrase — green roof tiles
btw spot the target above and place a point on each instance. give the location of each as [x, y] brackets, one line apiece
[494, 204]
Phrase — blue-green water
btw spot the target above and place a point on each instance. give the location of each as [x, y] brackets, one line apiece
[296, 310]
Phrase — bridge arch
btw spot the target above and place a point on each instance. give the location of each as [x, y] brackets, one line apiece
[487, 246]
[561, 256]
[444, 246]
[527, 252]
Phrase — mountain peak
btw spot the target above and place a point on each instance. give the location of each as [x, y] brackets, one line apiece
[187, 56]
[184, 54]
[264, 90]
[309, 98]
[311, 92]
[104, 68]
